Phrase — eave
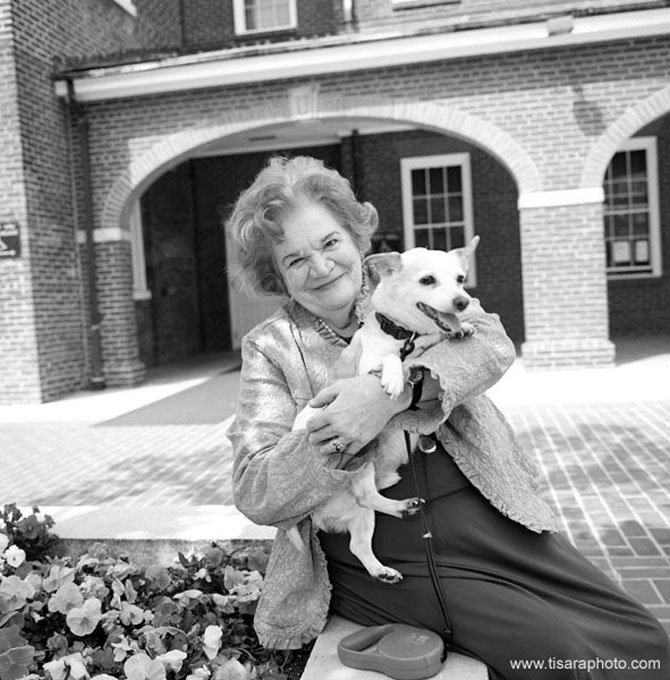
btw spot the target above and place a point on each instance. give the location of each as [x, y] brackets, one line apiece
[350, 52]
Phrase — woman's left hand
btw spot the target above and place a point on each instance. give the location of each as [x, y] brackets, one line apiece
[356, 410]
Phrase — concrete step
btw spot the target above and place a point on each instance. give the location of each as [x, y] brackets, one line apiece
[324, 664]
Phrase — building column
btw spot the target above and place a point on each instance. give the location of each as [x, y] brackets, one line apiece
[120, 348]
[564, 279]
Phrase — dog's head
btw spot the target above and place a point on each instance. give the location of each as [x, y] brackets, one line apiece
[420, 287]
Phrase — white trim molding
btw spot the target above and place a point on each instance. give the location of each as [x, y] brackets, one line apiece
[346, 53]
[552, 199]
[105, 235]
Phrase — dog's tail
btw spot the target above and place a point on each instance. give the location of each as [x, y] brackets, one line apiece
[294, 536]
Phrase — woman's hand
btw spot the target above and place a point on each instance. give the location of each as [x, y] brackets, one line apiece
[356, 410]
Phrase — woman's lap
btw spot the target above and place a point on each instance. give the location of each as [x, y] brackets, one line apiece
[511, 594]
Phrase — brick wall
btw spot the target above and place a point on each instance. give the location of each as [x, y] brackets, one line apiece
[53, 320]
[20, 374]
[210, 23]
[641, 306]
[379, 13]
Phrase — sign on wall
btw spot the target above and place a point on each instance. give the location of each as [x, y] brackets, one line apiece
[10, 240]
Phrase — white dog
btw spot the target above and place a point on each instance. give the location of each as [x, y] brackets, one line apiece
[416, 303]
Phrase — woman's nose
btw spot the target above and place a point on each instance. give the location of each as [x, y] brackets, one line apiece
[321, 266]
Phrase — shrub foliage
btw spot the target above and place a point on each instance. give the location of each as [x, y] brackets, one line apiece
[102, 617]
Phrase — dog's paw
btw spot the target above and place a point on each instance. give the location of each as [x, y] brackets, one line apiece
[387, 575]
[468, 329]
[411, 507]
[465, 331]
[393, 384]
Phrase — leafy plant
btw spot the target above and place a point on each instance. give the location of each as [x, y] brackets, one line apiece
[105, 618]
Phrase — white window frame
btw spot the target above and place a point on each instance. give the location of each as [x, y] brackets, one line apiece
[241, 24]
[438, 161]
[647, 144]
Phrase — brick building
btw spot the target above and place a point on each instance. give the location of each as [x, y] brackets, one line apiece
[129, 126]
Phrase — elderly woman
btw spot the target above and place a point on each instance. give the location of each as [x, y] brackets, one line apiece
[515, 589]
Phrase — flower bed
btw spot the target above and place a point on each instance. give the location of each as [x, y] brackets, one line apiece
[102, 617]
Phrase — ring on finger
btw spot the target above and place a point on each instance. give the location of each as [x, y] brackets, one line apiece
[338, 446]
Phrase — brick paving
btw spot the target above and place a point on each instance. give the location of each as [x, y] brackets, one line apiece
[605, 467]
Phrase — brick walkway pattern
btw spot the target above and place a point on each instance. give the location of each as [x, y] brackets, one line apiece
[604, 467]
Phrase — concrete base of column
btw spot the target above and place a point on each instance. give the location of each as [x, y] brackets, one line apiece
[568, 353]
[124, 373]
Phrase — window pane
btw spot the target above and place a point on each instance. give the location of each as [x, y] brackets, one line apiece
[250, 18]
[641, 251]
[440, 239]
[621, 225]
[455, 208]
[421, 238]
[639, 193]
[420, 211]
[437, 210]
[435, 181]
[265, 15]
[454, 179]
[640, 224]
[638, 163]
[618, 166]
[418, 182]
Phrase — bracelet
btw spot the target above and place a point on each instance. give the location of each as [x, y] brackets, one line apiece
[415, 379]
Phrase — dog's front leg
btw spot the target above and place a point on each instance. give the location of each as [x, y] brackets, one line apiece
[361, 528]
[393, 376]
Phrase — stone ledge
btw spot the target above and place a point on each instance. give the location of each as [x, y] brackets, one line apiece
[324, 664]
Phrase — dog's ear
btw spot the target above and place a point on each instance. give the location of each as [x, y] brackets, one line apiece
[464, 253]
[381, 264]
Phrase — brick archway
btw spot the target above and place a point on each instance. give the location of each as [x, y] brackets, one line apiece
[622, 129]
[174, 148]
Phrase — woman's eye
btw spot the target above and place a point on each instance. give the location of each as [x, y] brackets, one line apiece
[330, 243]
[427, 280]
[460, 279]
[298, 261]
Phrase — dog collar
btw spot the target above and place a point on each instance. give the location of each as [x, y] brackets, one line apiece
[398, 332]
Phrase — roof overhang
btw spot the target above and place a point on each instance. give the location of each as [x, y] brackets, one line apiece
[352, 53]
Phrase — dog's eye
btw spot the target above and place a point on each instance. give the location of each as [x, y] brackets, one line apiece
[427, 280]
[460, 279]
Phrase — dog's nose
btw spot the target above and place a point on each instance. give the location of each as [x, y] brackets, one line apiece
[461, 302]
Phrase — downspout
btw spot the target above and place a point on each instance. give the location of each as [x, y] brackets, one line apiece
[357, 165]
[78, 113]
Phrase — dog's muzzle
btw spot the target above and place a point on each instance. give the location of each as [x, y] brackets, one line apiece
[436, 317]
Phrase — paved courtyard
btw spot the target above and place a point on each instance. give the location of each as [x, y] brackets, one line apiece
[153, 462]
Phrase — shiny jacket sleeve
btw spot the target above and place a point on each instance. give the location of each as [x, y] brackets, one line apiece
[278, 476]
[464, 368]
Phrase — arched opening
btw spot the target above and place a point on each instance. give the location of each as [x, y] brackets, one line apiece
[637, 238]
[631, 160]
[451, 189]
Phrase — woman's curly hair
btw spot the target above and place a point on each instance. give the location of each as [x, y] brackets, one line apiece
[283, 184]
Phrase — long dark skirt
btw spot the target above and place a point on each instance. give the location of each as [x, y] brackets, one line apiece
[512, 595]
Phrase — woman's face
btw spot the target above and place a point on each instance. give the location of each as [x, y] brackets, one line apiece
[319, 263]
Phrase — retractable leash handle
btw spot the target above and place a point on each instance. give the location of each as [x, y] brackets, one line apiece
[399, 651]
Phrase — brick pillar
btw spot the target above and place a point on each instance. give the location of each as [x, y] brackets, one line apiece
[120, 348]
[564, 280]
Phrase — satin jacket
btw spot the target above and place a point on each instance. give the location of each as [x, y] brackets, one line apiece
[279, 477]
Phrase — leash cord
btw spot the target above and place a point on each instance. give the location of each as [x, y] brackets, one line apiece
[430, 556]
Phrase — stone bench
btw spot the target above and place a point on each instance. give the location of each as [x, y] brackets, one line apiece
[324, 664]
